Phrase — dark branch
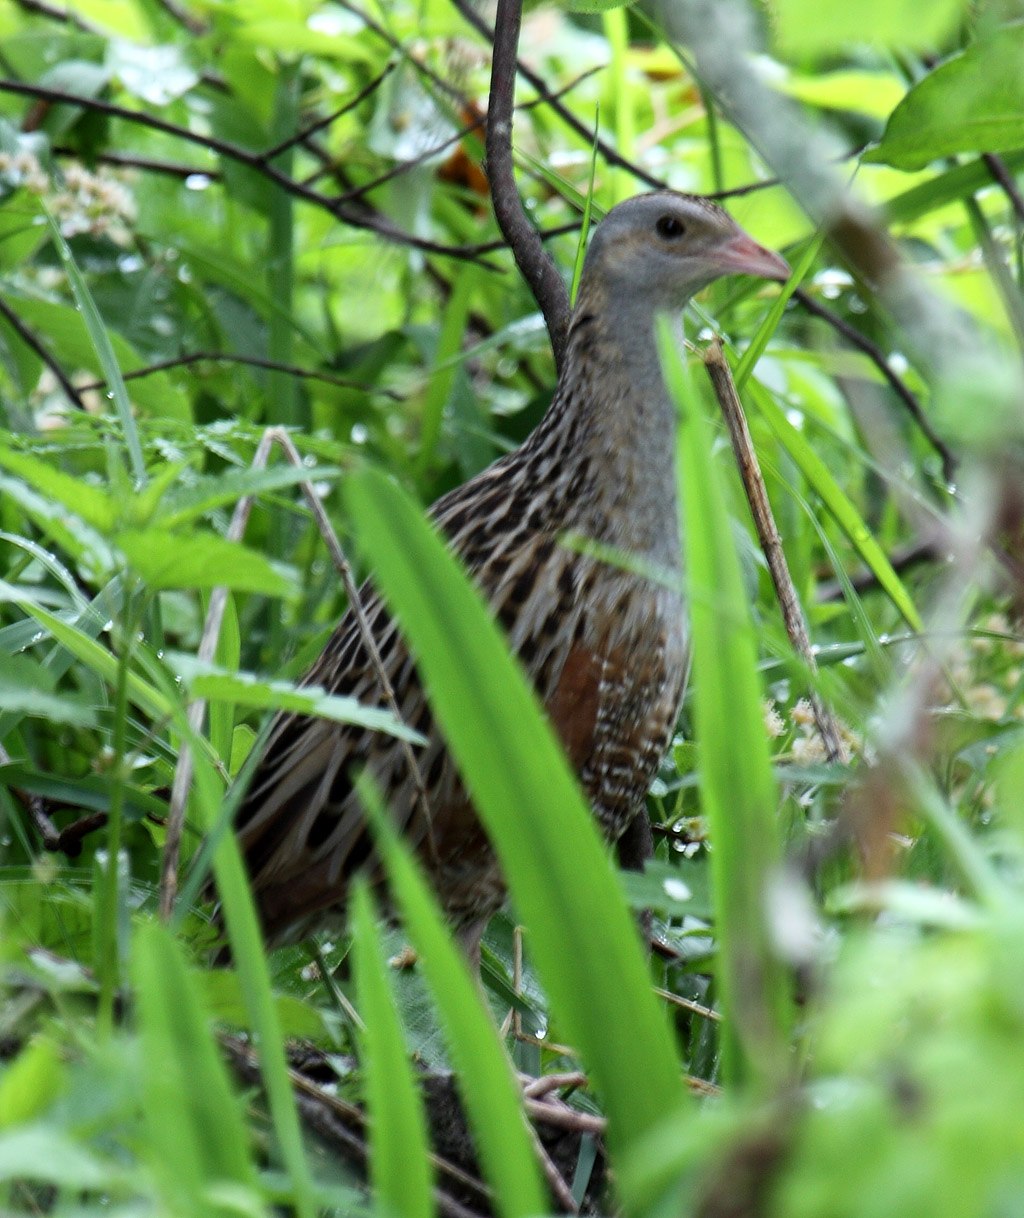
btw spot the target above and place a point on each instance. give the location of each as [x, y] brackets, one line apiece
[610, 155]
[32, 341]
[997, 167]
[147, 164]
[301, 136]
[357, 217]
[253, 361]
[458, 137]
[877, 357]
[533, 260]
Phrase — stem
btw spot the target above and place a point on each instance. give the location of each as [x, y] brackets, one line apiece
[107, 947]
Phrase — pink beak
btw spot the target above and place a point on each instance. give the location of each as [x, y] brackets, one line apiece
[741, 255]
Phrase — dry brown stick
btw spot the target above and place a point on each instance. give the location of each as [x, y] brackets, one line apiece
[533, 260]
[768, 535]
[561, 1116]
[208, 646]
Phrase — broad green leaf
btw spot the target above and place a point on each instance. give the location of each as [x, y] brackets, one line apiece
[399, 1151]
[46, 1155]
[244, 688]
[973, 102]
[27, 688]
[77, 539]
[486, 1082]
[582, 936]
[165, 559]
[87, 501]
[31, 1082]
[826, 27]
[215, 490]
[157, 395]
[873, 93]
[738, 792]
[91, 653]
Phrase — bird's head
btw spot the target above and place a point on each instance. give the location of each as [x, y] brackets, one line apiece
[663, 247]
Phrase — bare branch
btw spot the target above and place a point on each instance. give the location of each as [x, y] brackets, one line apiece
[997, 167]
[301, 136]
[533, 260]
[877, 357]
[251, 361]
[357, 217]
[768, 535]
[610, 155]
[32, 341]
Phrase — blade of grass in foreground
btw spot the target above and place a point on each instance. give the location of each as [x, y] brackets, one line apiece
[484, 1070]
[196, 1133]
[581, 933]
[399, 1153]
[737, 788]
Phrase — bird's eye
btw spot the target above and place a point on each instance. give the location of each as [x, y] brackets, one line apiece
[670, 228]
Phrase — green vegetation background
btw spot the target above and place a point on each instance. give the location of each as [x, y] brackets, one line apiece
[219, 217]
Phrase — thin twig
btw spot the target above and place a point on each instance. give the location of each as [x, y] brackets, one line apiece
[997, 167]
[906, 559]
[561, 1116]
[35, 344]
[124, 160]
[560, 1191]
[251, 361]
[537, 1088]
[301, 136]
[687, 1004]
[768, 534]
[334, 1118]
[357, 217]
[877, 357]
[463, 133]
[531, 257]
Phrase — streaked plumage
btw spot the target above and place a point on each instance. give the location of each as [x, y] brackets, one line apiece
[604, 645]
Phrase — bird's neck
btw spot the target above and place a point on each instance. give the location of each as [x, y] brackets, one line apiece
[610, 432]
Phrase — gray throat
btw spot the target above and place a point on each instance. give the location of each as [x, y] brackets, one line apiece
[609, 436]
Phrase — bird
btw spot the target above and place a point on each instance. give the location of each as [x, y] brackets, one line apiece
[604, 641]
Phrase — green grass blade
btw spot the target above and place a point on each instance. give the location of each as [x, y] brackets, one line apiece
[838, 504]
[768, 327]
[197, 1137]
[581, 934]
[104, 352]
[588, 207]
[737, 787]
[399, 1152]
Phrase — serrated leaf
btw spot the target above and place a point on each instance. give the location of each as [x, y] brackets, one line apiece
[86, 501]
[212, 491]
[245, 689]
[201, 560]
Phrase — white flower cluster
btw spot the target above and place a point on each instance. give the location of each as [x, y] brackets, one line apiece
[81, 201]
